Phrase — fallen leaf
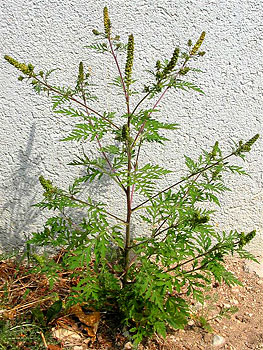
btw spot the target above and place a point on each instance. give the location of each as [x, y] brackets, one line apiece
[9, 314]
[64, 334]
[66, 322]
[91, 320]
[54, 347]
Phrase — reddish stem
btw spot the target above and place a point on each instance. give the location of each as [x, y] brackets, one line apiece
[77, 101]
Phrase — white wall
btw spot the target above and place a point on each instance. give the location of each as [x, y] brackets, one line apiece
[53, 33]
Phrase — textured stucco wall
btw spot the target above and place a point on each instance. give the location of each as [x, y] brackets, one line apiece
[52, 33]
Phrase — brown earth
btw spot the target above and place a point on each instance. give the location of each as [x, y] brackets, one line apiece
[243, 329]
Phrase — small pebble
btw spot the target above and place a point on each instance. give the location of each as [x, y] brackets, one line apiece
[218, 341]
[198, 306]
[172, 338]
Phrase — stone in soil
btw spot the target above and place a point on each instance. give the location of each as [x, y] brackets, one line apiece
[218, 340]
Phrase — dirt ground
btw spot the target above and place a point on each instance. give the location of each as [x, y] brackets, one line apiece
[242, 331]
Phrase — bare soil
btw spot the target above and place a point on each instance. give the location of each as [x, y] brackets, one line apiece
[241, 331]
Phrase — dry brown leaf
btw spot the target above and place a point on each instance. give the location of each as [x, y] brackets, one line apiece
[64, 334]
[54, 347]
[91, 320]
[67, 323]
[9, 314]
[70, 338]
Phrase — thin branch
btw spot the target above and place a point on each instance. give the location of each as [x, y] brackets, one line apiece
[154, 236]
[159, 228]
[69, 220]
[99, 143]
[189, 271]
[77, 101]
[120, 74]
[181, 199]
[135, 168]
[216, 247]
[156, 233]
[158, 101]
[94, 206]
[143, 125]
[138, 104]
[184, 179]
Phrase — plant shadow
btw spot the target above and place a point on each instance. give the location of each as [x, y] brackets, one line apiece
[17, 213]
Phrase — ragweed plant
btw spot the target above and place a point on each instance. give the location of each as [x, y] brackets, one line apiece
[141, 278]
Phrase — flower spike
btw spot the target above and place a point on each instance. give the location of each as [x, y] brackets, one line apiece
[129, 60]
[198, 44]
[26, 69]
[107, 23]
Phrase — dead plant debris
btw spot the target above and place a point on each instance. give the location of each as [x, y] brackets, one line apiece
[81, 329]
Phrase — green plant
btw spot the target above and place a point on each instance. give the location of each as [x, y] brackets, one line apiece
[142, 277]
[44, 318]
[21, 334]
[202, 316]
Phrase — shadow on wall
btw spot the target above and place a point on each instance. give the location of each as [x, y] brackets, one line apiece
[18, 213]
[18, 216]
[100, 191]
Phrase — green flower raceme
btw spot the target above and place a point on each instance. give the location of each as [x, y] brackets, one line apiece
[50, 190]
[81, 74]
[172, 63]
[46, 184]
[129, 60]
[107, 23]
[198, 44]
[245, 239]
[246, 147]
[250, 142]
[26, 69]
[184, 70]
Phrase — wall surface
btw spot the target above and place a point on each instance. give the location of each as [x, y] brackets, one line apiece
[53, 33]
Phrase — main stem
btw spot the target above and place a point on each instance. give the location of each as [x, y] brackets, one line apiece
[128, 198]
[128, 221]
[129, 168]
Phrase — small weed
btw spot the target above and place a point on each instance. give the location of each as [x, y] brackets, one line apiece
[203, 318]
[22, 335]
